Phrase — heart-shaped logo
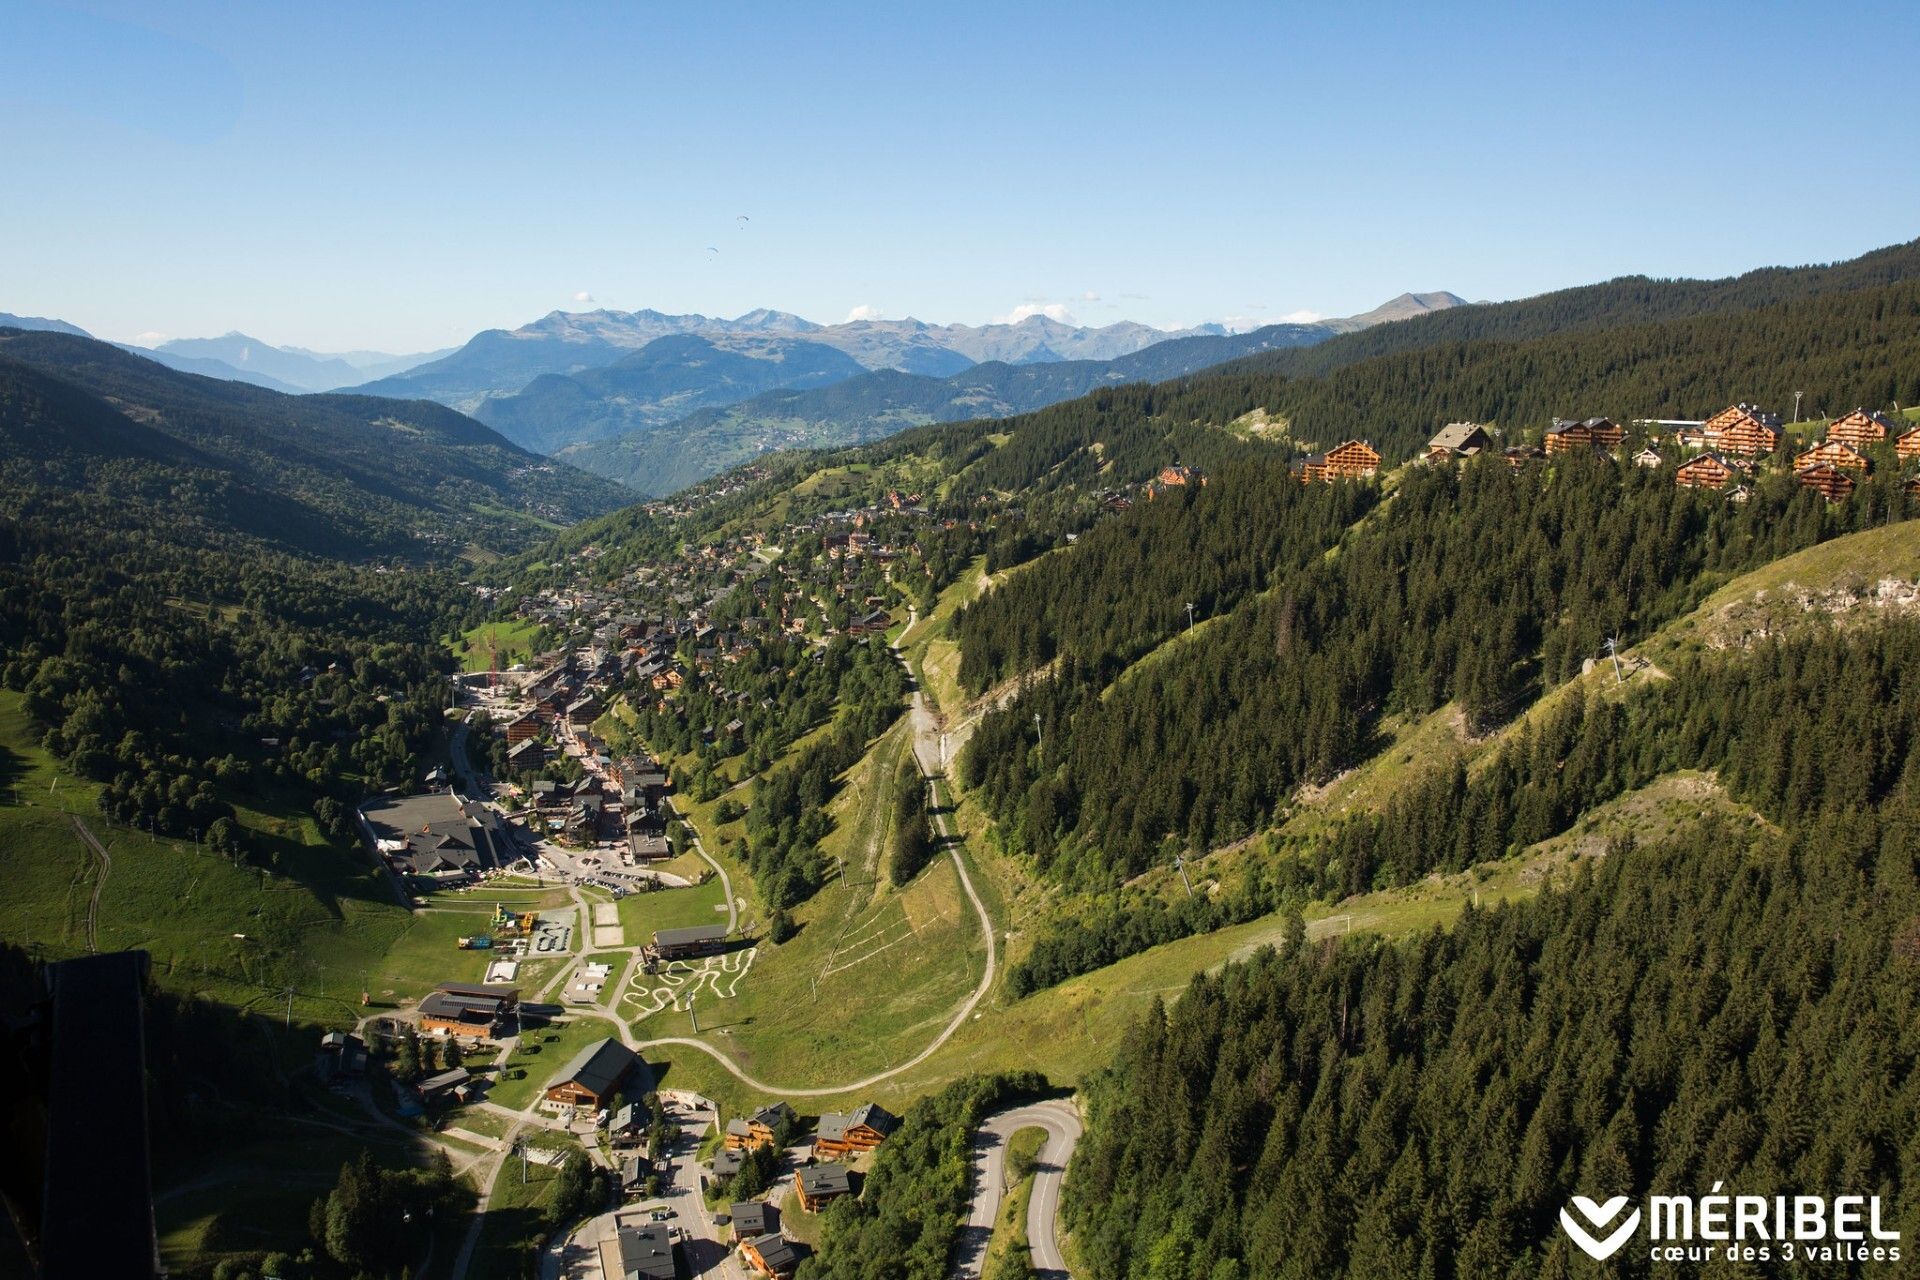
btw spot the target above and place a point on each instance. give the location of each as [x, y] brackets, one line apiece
[1599, 1215]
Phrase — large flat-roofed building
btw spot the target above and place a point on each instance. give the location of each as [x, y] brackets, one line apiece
[637, 1253]
[437, 833]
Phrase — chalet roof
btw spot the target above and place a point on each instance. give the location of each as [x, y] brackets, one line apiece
[1460, 436]
[776, 1253]
[726, 1162]
[773, 1114]
[629, 1117]
[751, 1218]
[824, 1179]
[445, 1080]
[598, 1068]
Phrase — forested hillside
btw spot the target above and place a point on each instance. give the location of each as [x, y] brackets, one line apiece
[1625, 302]
[330, 474]
[1731, 1007]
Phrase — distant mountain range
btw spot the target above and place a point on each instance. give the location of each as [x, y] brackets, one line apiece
[239, 358]
[501, 362]
[658, 459]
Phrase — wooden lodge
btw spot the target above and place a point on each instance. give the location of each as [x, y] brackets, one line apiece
[470, 1011]
[1353, 460]
[821, 1184]
[1833, 453]
[1520, 455]
[1176, 476]
[1707, 471]
[688, 944]
[1742, 430]
[1829, 481]
[595, 1075]
[1569, 434]
[751, 1219]
[1906, 445]
[861, 1130]
[1458, 440]
[770, 1255]
[759, 1129]
[1863, 427]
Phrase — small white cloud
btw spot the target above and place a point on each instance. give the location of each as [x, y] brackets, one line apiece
[1089, 296]
[1302, 317]
[865, 311]
[1055, 311]
[151, 338]
[583, 296]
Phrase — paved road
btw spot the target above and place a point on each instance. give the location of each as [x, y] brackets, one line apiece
[989, 1177]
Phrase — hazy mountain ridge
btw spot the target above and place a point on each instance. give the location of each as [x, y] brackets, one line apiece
[659, 460]
[343, 474]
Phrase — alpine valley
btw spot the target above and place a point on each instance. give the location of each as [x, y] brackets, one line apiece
[651, 795]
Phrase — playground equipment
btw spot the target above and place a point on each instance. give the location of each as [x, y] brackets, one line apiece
[478, 942]
[513, 922]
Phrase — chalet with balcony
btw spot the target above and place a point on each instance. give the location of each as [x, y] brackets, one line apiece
[760, 1128]
[1743, 431]
[470, 1011]
[1830, 482]
[860, 1130]
[1833, 453]
[1863, 427]
[820, 1185]
[595, 1075]
[1353, 460]
[1706, 471]
[1569, 434]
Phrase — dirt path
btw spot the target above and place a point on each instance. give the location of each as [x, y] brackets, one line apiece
[106, 869]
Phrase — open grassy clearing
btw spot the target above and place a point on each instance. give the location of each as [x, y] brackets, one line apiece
[873, 973]
[514, 1224]
[542, 1053]
[518, 640]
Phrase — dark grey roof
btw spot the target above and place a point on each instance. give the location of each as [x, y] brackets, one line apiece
[777, 1254]
[752, 1218]
[773, 1114]
[599, 1067]
[825, 1179]
[696, 933]
[646, 1253]
[445, 1080]
[726, 1162]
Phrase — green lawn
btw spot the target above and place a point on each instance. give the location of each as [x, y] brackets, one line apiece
[1010, 1228]
[542, 1053]
[515, 1221]
[518, 640]
[642, 913]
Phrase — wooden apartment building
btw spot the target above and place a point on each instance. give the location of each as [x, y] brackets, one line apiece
[1353, 460]
[1568, 434]
[860, 1130]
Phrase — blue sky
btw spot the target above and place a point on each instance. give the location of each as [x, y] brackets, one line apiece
[399, 176]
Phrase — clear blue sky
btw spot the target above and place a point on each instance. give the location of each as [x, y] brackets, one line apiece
[398, 176]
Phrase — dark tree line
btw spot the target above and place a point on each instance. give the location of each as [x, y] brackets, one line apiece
[1724, 1009]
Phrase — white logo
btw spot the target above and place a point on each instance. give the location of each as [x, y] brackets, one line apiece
[1599, 1215]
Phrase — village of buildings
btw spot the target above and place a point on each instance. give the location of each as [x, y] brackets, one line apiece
[534, 787]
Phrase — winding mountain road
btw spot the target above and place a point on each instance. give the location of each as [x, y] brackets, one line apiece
[989, 1178]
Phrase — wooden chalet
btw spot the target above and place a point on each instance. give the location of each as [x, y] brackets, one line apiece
[860, 1130]
[1829, 481]
[1177, 476]
[770, 1255]
[1742, 430]
[820, 1185]
[522, 729]
[1912, 486]
[1519, 455]
[1569, 434]
[1458, 440]
[1863, 427]
[1707, 471]
[595, 1075]
[1648, 457]
[470, 1011]
[1353, 460]
[1906, 445]
[1833, 453]
[759, 1129]
[751, 1219]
